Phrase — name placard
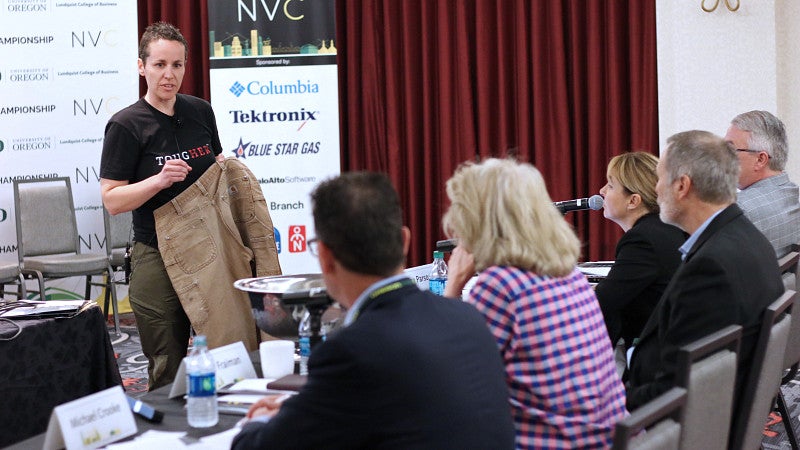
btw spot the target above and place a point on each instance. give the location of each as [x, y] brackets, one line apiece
[90, 422]
[233, 364]
[420, 275]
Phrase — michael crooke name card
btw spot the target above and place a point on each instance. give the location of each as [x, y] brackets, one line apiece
[90, 422]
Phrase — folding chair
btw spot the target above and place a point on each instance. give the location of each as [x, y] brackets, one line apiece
[11, 274]
[660, 418]
[764, 375]
[707, 370]
[48, 245]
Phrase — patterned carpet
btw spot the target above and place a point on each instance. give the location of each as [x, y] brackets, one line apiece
[774, 432]
[128, 351]
[133, 368]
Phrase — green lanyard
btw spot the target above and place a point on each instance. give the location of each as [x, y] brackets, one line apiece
[391, 287]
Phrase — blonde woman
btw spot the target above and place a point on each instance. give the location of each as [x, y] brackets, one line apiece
[563, 385]
[647, 254]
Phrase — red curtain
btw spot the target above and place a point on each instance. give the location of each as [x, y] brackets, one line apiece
[564, 84]
[425, 85]
[192, 19]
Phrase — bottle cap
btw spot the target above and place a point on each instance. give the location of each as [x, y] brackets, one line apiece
[438, 254]
[199, 340]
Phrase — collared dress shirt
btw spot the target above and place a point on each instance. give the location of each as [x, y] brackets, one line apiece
[564, 388]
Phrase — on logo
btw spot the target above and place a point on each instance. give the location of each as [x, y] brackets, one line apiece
[237, 89]
[297, 238]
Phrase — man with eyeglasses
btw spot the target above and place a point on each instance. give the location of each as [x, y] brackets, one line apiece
[409, 369]
[768, 198]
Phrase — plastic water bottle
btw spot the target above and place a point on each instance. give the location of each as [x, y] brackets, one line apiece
[438, 276]
[304, 333]
[201, 401]
[304, 338]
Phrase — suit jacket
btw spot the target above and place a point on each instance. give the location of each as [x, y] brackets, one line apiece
[414, 371]
[728, 277]
[772, 205]
[646, 258]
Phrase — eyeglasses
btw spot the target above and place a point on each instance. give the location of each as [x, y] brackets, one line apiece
[313, 246]
[747, 150]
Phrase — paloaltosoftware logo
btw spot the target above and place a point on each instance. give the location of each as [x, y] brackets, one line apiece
[273, 88]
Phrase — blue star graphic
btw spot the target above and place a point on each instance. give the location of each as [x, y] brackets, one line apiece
[239, 151]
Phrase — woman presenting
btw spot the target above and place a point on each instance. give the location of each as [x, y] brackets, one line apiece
[153, 150]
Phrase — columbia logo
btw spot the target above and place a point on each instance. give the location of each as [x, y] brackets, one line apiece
[237, 89]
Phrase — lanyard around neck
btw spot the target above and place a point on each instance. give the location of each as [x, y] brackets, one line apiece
[391, 287]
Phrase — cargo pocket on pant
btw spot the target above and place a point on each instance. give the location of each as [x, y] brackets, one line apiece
[192, 246]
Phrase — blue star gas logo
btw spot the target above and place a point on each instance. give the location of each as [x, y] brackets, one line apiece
[240, 149]
[237, 89]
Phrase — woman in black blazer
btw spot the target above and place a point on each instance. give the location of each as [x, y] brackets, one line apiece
[647, 254]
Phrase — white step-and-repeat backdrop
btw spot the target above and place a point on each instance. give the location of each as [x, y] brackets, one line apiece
[65, 68]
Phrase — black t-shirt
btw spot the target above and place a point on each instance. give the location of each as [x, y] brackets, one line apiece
[140, 138]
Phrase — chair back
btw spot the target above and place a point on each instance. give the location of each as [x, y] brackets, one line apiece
[45, 217]
[660, 418]
[789, 266]
[118, 231]
[707, 370]
[764, 376]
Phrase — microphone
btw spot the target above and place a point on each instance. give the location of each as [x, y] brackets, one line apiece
[177, 122]
[594, 202]
[446, 245]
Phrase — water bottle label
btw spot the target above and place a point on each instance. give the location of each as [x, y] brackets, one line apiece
[305, 346]
[436, 285]
[202, 385]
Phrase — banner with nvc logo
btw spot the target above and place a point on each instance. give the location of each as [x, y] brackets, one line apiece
[274, 91]
[65, 68]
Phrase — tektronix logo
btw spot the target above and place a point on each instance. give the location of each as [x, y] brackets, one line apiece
[297, 238]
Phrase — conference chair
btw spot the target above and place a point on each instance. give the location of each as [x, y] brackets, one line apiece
[763, 378]
[118, 241]
[789, 272]
[48, 245]
[11, 274]
[659, 418]
[706, 368]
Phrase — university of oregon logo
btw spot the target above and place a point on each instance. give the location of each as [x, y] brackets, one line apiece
[2, 145]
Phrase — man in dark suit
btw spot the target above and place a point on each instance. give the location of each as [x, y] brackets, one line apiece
[409, 369]
[729, 273]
